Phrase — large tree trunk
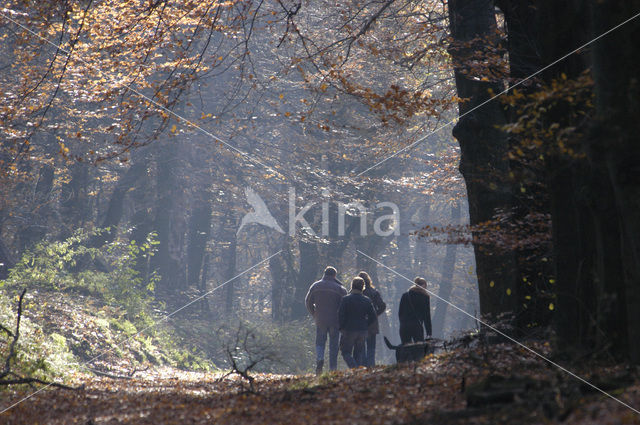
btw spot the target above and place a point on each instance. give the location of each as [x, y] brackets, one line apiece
[530, 193]
[421, 252]
[74, 206]
[561, 27]
[588, 228]
[484, 148]
[283, 278]
[309, 273]
[616, 145]
[115, 208]
[5, 261]
[230, 273]
[141, 223]
[446, 278]
[199, 231]
[169, 220]
[40, 210]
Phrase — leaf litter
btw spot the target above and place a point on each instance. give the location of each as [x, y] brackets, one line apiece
[486, 384]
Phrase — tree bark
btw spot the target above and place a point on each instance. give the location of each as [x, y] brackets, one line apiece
[616, 145]
[74, 208]
[230, 273]
[40, 210]
[309, 273]
[199, 232]
[484, 148]
[446, 278]
[169, 219]
[421, 253]
[5, 261]
[115, 208]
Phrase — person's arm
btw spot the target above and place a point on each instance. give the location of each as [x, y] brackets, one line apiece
[427, 318]
[308, 301]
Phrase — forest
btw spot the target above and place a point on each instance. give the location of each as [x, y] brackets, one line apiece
[176, 174]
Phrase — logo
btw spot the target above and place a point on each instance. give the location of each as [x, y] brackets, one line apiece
[260, 213]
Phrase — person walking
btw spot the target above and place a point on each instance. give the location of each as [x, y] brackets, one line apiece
[355, 315]
[415, 313]
[379, 306]
[322, 301]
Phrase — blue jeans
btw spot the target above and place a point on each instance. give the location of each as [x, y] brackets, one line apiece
[321, 342]
[370, 357]
[352, 347]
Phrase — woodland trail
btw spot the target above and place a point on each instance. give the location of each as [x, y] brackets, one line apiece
[451, 388]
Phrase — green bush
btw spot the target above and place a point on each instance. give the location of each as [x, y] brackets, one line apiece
[69, 266]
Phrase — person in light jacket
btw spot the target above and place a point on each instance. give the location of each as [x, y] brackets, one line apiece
[322, 301]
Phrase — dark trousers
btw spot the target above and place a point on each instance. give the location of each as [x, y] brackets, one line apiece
[411, 332]
[370, 357]
[321, 342]
[352, 347]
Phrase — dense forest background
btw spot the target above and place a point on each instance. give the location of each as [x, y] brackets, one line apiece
[504, 131]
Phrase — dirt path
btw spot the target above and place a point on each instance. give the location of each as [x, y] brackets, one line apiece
[521, 390]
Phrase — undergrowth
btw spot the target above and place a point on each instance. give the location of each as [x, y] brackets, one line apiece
[92, 307]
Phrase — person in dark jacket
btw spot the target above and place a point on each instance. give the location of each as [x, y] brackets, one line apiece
[415, 313]
[322, 301]
[379, 306]
[355, 315]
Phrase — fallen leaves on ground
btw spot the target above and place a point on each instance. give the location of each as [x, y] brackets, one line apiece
[434, 390]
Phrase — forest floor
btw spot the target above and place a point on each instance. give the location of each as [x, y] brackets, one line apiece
[481, 385]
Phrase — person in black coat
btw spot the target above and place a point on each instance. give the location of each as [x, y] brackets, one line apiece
[415, 313]
[355, 315]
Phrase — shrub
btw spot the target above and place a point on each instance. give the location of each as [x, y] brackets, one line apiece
[69, 265]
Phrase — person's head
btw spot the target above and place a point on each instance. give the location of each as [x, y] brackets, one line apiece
[367, 279]
[420, 281]
[357, 284]
[330, 272]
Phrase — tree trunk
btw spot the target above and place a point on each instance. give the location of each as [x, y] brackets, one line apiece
[283, 277]
[40, 210]
[205, 307]
[141, 223]
[530, 193]
[560, 28]
[616, 145]
[74, 207]
[169, 219]
[115, 209]
[199, 231]
[421, 253]
[484, 148]
[446, 278]
[230, 273]
[309, 273]
[5, 261]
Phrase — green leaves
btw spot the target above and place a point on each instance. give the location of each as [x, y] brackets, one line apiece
[69, 265]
